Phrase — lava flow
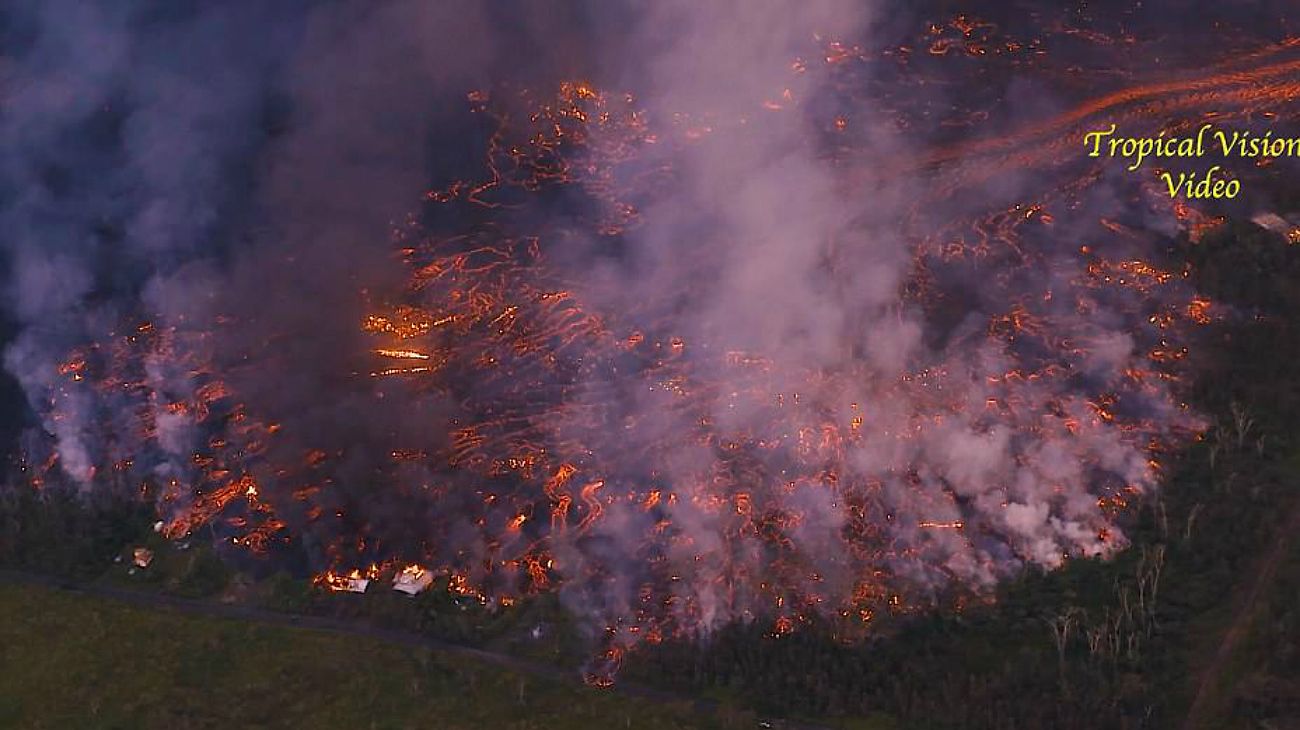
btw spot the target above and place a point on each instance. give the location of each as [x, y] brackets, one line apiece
[691, 366]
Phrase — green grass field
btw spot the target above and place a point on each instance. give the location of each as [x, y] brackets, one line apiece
[72, 661]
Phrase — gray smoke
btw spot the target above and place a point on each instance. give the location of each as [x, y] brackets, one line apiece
[122, 134]
[233, 177]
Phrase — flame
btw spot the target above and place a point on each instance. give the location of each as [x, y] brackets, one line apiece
[542, 458]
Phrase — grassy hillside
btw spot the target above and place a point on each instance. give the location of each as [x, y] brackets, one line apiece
[76, 661]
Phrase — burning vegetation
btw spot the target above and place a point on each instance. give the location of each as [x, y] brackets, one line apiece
[688, 366]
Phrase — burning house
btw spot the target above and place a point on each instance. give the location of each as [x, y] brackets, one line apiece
[353, 582]
[412, 580]
[142, 557]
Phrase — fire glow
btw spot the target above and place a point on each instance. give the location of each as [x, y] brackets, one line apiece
[1007, 393]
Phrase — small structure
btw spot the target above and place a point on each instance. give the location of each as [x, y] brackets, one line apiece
[1288, 228]
[142, 557]
[412, 580]
[353, 582]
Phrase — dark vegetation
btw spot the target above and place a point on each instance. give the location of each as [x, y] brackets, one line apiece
[58, 531]
[1120, 644]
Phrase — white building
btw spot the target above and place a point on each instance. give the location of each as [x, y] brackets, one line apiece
[412, 580]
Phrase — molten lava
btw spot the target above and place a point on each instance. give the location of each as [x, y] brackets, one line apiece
[662, 480]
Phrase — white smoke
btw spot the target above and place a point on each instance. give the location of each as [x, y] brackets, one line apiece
[960, 463]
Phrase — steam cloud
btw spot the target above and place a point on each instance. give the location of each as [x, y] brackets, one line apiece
[231, 176]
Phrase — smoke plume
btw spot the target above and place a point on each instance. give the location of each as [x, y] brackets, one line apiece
[706, 338]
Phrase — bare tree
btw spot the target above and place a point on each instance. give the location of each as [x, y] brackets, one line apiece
[1242, 422]
[1191, 519]
[1063, 625]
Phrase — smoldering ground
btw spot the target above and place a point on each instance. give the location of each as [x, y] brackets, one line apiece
[230, 181]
